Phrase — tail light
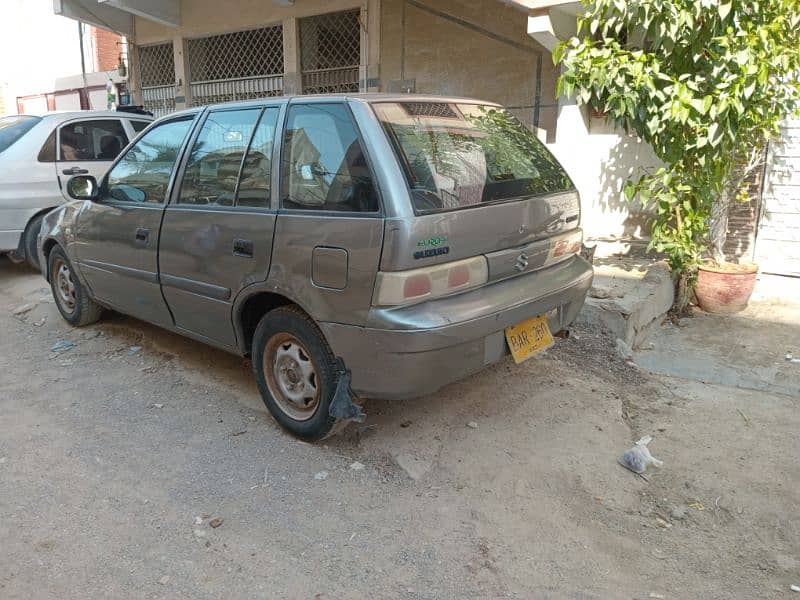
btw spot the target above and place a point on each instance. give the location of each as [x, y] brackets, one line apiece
[407, 287]
[564, 246]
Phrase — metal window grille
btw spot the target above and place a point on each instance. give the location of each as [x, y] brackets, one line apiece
[330, 52]
[157, 77]
[236, 66]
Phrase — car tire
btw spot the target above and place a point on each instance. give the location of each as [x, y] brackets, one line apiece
[72, 301]
[295, 371]
[29, 242]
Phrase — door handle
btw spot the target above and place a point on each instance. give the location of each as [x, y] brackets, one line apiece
[142, 235]
[243, 248]
[75, 171]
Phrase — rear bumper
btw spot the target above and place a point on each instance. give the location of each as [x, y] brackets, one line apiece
[414, 351]
[9, 240]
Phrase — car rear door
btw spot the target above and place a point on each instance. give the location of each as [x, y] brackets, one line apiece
[329, 232]
[216, 236]
[117, 235]
[88, 146]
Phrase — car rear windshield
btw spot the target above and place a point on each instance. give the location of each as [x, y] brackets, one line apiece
[14, 127]
[458, 155]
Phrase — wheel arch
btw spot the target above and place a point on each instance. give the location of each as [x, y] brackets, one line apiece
[250, 306]
[47, 248]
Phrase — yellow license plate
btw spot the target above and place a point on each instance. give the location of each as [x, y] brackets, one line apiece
[528, 338]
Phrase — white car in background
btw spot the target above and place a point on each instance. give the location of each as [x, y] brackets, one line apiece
[38, 154]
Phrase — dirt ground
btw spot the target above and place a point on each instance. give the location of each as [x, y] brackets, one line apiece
[115, 460]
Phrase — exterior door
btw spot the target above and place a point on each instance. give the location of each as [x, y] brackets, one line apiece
[117, 235]
[89, 147]
[216, 237]
[329, 232]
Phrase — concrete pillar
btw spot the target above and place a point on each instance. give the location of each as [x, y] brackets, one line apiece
[371, 46]
[292, 71]
[134, 75]
[183, 92]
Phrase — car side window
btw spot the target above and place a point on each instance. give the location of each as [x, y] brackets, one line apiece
[323, 165]
[48, 152]
[92, 140]
[255, 182]
[213, 167]
[143, 173]
[139, 126]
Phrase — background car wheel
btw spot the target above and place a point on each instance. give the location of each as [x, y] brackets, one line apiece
[29, 242]
[71, 299]
[295, 372]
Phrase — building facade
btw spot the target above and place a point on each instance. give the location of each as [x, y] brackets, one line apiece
[193, 52]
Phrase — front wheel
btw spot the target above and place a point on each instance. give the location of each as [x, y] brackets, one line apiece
[73, 302]
[295, 372]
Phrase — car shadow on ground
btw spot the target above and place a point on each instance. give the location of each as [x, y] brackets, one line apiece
[418, 422]
[11, 272]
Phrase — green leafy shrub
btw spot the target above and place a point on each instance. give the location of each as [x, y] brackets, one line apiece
[705, 83]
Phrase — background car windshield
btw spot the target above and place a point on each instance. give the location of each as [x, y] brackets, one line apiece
[461, 155]
[13, 128]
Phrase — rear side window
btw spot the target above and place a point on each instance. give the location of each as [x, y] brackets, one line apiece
[14, 127]
[48, 152]
[92, 140]
[323, 164]
[143, 173]
[213, 167]
[461, 155]
[139, 126]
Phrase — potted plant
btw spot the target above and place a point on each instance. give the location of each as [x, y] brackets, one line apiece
[705, 84]
[723, 287]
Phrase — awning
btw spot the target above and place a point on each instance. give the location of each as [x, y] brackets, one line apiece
[117, 15]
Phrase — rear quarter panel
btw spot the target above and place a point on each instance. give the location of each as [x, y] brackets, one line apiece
[27, 187]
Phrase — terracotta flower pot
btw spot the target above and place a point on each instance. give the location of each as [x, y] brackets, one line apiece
[725, 289]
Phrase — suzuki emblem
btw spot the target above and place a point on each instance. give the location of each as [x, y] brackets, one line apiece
[522, 262]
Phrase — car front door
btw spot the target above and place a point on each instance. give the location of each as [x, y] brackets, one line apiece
[216, 236]
[88, 147]
[117, 235]
[329, 232]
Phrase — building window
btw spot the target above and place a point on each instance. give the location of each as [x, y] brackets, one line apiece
[330, 52]
[157, 78]
[236, 66]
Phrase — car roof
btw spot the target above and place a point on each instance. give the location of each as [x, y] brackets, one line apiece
[65, 115]
[369, 97]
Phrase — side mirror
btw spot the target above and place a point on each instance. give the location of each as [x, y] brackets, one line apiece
[82, 187]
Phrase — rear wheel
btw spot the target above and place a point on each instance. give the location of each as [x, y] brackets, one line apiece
[295, 371]
[29, 242]
[73, 302]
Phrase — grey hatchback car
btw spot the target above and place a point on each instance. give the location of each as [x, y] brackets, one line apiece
[364, 246]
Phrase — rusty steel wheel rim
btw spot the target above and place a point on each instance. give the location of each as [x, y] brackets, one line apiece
[291, 376]
[64, 286]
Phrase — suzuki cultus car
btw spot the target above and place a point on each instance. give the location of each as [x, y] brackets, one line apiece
[367, 246]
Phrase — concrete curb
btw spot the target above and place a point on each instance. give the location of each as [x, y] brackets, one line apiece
[628, 302]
